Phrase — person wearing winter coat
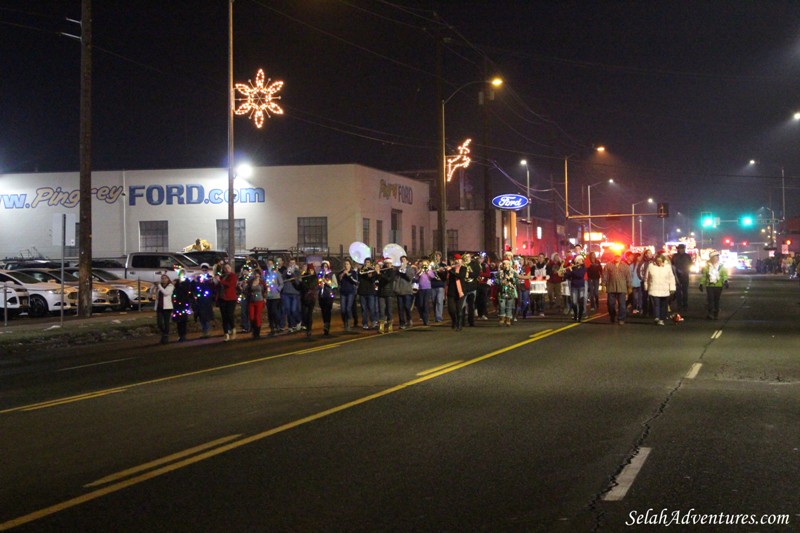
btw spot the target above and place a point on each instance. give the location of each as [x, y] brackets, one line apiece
[385, 274]
[328, 287]
[205, 294]
[539, 285]
[660, 285]
[348, 287]
[555, 273]
[307, 285]
[714, 277]
[228, 297]
[255, 296]
[368, 295]
[273, 281]
[182, 300]
[404, 291]
[618, 283]
[576, 275]
[162, 294]
[594, 272]
[456, 294]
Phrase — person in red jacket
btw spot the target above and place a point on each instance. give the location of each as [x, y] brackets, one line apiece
[227, 281]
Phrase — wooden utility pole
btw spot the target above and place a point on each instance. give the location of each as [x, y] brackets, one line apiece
[85, 237]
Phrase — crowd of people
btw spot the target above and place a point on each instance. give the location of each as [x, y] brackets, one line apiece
[469, 288]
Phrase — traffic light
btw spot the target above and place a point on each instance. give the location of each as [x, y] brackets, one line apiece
[663, 210]
[727, 240]
[706, 219]
[747, 221]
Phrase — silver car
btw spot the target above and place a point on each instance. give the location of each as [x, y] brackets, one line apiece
[104, 296]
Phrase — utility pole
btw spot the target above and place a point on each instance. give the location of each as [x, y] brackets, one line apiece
[489, 214]
[85, 237]
[442, 214]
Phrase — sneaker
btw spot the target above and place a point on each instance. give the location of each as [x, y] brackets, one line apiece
[227, 337]
[660, 322]
[484, 317]
[541, 314]
[233, 333]
[621, 322]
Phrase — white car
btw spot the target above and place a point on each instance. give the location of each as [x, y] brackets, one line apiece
[43, 298]
[13, 300]
[132, 292]
[104, 296]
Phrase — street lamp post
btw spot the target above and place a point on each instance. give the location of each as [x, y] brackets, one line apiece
[528, 195]
[633, 220]
[442, 215]
[566, 186]
[589, 190]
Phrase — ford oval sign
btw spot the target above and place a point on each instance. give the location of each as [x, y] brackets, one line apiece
[511, 202]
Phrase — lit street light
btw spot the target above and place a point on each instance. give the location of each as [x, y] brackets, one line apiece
[496, 82]
[528, 195]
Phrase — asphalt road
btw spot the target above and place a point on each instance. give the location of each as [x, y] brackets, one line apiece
[545, 426]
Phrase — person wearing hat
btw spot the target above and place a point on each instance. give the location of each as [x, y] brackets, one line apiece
[308, 287]
[368, 295]
[576, 275]
[714, 277]
[385, 274]
[506, 281]
[682, 264]
[619, 284]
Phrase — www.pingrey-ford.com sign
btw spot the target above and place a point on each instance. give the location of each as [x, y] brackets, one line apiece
[512, 202]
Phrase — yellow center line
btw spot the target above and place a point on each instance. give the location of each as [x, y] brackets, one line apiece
[73, 502]
[103, 392]
[432, 370]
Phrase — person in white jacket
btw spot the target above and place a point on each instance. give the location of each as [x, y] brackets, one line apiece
[660, 284]
[162, 294]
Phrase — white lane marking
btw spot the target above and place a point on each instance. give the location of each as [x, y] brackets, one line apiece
[95, 364]
[694, 371]
[717, 334]
[627, 476]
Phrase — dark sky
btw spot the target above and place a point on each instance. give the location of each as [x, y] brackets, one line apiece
[682, 93]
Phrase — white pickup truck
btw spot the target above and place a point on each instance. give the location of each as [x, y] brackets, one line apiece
[148, 266]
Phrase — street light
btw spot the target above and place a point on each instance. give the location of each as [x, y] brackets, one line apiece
[633, 218]
[496, 82]
[753, 162]
[566, 185]
[528, 195]
[589, 189]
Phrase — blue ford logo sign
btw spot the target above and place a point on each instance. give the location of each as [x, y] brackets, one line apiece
[511, 202]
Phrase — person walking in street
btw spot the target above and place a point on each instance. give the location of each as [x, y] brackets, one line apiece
[162, 294]
[660, 285]
[348, 287]
[290, 295]
[618, 283]
[368, 295]
[641, 270]
[682, 263]
[539, 285]
[576, 275]
[273, 281]
[404, 291]
[456, 297]
[437, 286]
[328, 286]
[255, 292]
[506, 281]
[227, 282]
[386, 274]
[555, 273]
[424, 275]
[182, 302]
[473, 265]
[307, 286]
[594, 272]
[205, 294]
[714, 278]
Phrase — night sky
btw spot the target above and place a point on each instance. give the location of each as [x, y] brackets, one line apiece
[682, 94]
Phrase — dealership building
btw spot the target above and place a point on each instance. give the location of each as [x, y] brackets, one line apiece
[315, 209]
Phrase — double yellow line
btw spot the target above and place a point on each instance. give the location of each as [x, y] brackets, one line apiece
[170, 463]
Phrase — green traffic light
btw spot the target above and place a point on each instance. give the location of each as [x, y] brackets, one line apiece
[747, 221]
[708, 222]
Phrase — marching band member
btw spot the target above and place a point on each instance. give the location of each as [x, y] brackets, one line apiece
[456, 296]
[437, 286]
[327, 294]
[227, 281]
[576, 275]
[473, 267]
[255, 297]
[274, 284]
[368, 295]
[307, 286]
[290, 295]
[204, 297]
[385, 275]
[506, 280]
[484, 290]
[404, 291]
[348, 286]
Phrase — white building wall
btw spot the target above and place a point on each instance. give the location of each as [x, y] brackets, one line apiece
[192, 200]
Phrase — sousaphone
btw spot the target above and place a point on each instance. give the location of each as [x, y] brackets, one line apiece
[359, 252]
[394, 252]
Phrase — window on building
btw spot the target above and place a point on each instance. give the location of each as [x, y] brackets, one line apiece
[422, 239]
[365, 231]
[74, 251]
[396, 225]
[312, 234]
[413, 240]
[452, 239]
[379, 235]
[239, 234]
[153, 236]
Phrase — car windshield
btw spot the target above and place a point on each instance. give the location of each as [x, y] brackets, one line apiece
[22, 277]
[105, 275]
[188, 260]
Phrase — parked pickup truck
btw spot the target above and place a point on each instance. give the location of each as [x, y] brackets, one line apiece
[148, 266]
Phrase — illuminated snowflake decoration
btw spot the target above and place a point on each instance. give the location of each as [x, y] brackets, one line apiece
[259, 99]
[462, 160]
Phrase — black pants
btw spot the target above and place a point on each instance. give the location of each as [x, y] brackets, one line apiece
[274, 314]
[227, 308]
[162, 321]
[482, 301]
[471, 297]
[682, 292]
[712, 297]
[455, 307]
[307, 313]
[326, 305]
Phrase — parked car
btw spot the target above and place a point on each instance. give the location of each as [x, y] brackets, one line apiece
[104, 296]
[148, 266]
[131, 291]
[13, 300]
[43, 298]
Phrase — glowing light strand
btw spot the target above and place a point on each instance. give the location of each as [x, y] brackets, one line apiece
[259, 99]
[462, 160]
